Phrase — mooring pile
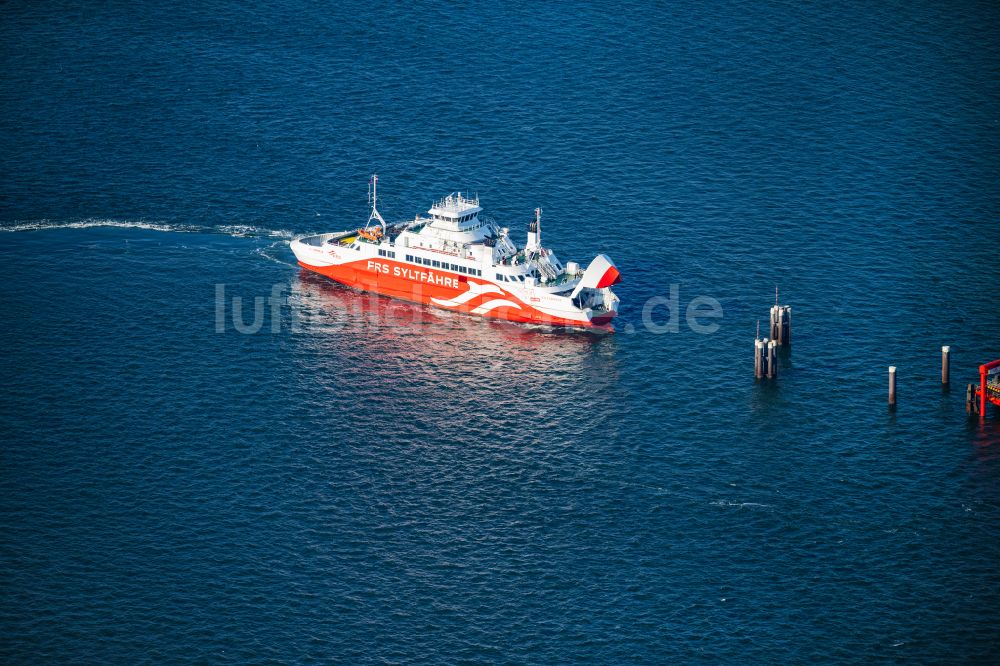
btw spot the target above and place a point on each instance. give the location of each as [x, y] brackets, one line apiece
[766, 349]
[765, 364]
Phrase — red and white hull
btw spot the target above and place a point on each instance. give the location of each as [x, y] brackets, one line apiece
[461, 293]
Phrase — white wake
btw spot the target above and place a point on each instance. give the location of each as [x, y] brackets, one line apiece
[235, 230]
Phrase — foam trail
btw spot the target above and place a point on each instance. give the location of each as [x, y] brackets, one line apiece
[39, 225]
[264, 252]
[235, 230]
[741, 505]
[251, 231]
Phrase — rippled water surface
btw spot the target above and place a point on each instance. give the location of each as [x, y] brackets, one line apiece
[364, 480]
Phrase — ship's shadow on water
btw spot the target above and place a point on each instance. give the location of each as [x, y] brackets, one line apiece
[413, 343]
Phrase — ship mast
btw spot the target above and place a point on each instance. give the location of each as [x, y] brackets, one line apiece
[534, 233]
[373, 200]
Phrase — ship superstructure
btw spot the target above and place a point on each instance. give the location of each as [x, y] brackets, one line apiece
[457, 258]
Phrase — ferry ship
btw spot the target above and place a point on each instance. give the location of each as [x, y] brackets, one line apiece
[459, 259]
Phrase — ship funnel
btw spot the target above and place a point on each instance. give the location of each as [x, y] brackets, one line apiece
[600, 273]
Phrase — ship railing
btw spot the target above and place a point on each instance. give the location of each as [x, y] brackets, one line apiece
[456, 202]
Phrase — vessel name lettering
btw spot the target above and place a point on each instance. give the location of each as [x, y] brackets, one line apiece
[413, 275]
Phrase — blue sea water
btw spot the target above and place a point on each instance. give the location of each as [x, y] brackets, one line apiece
[367, 481]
